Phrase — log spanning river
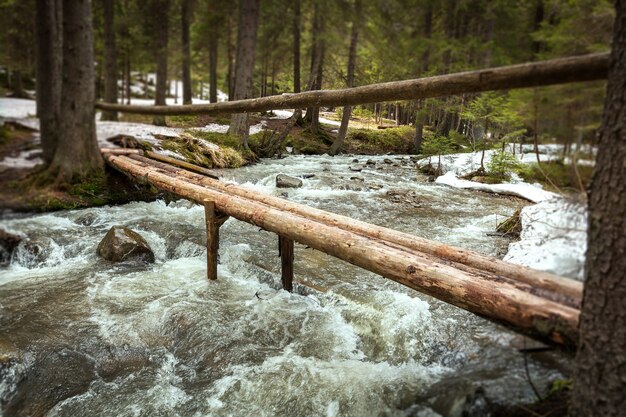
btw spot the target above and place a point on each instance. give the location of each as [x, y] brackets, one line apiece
[82, 336]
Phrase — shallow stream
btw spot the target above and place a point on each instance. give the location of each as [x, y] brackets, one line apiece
[82, 336]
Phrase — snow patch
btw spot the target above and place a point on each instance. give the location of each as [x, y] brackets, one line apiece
[553, 238]
[530, 192]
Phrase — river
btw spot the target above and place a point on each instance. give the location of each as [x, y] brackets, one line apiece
[87, 337]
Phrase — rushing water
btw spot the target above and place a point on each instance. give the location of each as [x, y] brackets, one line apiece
[87, 337]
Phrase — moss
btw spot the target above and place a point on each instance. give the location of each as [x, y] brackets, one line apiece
[396, 140]
[189, 120]
[192, 147]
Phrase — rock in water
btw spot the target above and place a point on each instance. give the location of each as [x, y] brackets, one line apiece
[285, 181]
[8, 243]
[121, 244]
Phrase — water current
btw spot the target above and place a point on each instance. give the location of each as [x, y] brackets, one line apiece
[88, 337]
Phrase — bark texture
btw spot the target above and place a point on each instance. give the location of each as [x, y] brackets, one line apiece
[600, 377]
[555, 71]
[110, 59]
[347, 110]
[317, 67]
[213, 49]
[49, 61]
[296, 46]
[186, 64]
[161, 38]
[246, 45]
[77, 152]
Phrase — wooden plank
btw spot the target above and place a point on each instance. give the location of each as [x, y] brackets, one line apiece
[212, 238]
[285, 248]
[183, 164]
[532, 74]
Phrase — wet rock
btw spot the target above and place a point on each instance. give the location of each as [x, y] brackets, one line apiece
[370, 162]
[284, 195]
[31, 253]
[86, 219]
[286, 181]
[119, 361]
[121, 244]
[387, 161]
[457, 398]
[52, 379]
[403, 197]
[357, 179]
[8, 244]
[307, 176]
[375, 187]
[355, 161]
[356, 168]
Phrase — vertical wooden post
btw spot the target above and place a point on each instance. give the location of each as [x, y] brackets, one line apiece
[285, 248]
[212, 239]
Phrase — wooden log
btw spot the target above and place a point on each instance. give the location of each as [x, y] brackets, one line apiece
[492, 298]
[122, 151]
[183, 164]
[212, 239]
[285, 246]
[559, 289]
[533, 74]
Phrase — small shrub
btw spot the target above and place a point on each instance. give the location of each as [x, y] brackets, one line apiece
[503, 164]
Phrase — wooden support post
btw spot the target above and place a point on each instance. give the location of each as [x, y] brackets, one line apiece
[285, 249]
[212, 239]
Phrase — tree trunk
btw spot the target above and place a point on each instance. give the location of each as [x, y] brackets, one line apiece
[161, 18]
[186, 61]
[317, 66]
[231, 56]
[296, 46]
[347, 110]
[600, 375]
[17, 87]
[213, 43]
[77, 153]
[110, 59]
[49, 61]
[244, 71]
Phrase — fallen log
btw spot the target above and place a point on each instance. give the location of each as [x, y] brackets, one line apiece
[533, 74]
[556, 288]
[493, 298]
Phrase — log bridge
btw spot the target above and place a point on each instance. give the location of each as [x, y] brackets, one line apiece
[538, 304]
[541, 305]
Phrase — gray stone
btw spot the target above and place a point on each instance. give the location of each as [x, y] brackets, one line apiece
[8, 243]
[387, 161]
[285, 181]
[356, 168]
[121, 244]
[370, 162]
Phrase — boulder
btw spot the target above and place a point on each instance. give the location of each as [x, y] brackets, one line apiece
[356, 168]
[285, 181]
[387, 161]
[121, 244]
[8, 243]
[370, 162]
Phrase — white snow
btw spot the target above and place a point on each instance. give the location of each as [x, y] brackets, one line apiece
[286, 114]
[17, 108]
[553, 238]
[530, 192]
[25, 159]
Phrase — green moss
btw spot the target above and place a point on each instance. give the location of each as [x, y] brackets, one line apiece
[189, 120]
[557, 174]
[228, 155]
[396, 140]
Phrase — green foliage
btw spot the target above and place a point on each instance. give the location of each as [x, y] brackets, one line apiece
[437, 146]
[397, 140]
[502, 165]
[556, 173]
